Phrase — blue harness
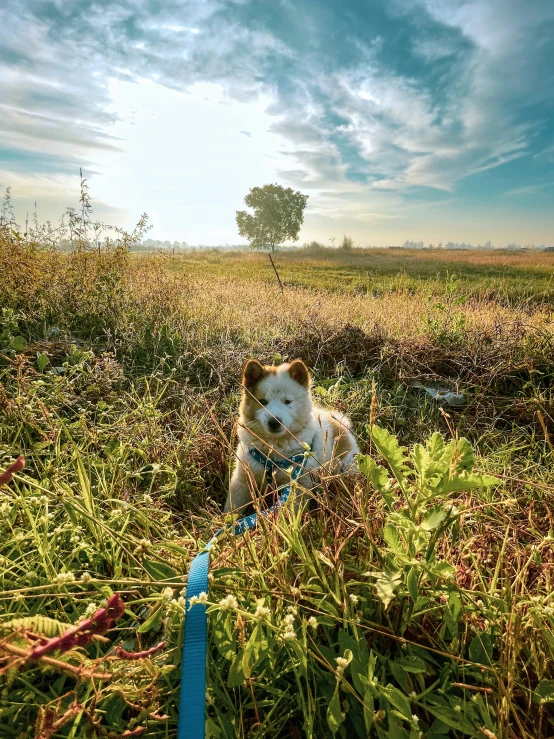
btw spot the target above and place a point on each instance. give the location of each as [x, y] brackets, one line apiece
[192, 700]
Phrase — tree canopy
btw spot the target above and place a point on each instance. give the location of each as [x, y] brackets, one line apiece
[278, 216]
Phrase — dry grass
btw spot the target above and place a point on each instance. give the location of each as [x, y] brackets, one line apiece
[141, 391]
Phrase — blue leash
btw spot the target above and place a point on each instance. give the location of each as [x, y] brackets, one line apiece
[192, 700]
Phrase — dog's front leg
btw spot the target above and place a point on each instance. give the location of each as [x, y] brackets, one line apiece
[240, 493]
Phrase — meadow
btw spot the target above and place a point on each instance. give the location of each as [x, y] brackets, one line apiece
[414, 600]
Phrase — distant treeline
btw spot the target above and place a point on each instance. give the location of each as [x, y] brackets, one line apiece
[153, 245]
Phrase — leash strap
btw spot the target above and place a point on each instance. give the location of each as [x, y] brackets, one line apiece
[192, 699]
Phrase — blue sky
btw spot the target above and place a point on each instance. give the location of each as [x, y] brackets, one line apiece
[404, 119]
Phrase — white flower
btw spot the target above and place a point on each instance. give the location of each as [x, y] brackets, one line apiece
[167, 595]
[415, 718]
[413, 694]
[148, 499]
[86, 577]
[177, 605]
[288, 620]
[229, 603]
[65, 577]
[457, 708]
[289, 634]
[354, 598]
[312, 622]
[295, 591]
[201, 598]
[262, 612]
[90, 610]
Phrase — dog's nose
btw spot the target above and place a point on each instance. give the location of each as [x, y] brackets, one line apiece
[274, 424]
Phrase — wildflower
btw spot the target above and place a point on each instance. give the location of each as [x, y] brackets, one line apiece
[549, 611]
[64, 577]
[415, 718]
[261, 612]
[354, 599]
[143, 546]
[413, 694]
[292, 609]
[312, 622]
[202, 598]
[229, 603]
[458, 708]
[295, 591]
[90, 610]
[167, 595]
[288, 620]
[342, 664]
[148, 499]
[86, 577]
[177, 605]
[289, 634]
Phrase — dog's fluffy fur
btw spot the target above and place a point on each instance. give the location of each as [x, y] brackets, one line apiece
[278, 417]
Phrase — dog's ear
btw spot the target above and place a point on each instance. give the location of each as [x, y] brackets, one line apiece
[252, 373]
[300, 373]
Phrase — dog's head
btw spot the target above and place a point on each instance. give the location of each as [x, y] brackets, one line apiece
[275, 400]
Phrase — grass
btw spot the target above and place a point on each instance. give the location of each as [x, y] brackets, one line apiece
[415, 600]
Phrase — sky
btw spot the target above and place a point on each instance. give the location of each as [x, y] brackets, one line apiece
[426, 120]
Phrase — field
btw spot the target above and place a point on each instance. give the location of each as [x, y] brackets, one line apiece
[415, 600]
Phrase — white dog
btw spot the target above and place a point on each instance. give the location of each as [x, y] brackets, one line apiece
[278, 420]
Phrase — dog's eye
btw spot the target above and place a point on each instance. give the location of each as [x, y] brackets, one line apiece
[263, 401]
[287, 402]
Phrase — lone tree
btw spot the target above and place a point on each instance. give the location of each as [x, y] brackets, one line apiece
[278, 216]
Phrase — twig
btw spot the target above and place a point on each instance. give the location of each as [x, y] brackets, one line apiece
[276, 273]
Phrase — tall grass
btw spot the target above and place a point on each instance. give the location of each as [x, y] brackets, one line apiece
[406, 604]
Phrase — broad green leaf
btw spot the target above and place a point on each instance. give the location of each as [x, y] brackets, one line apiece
[455, 720]
[470, 481]
[42, 361]
[433, 518]
[385, 585]
[412, 582]
[152, 621]
[159, 570]
[442, 569]
[236, 676]
[369, 708]
[18, 343]
[412, 664]
[335, 716]
[455, 605]
[391, 536]
[480, 649]
[544, 692]
[435, 447]
[390, 449]
[397, 699]
[222, 635]
[377, 476]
